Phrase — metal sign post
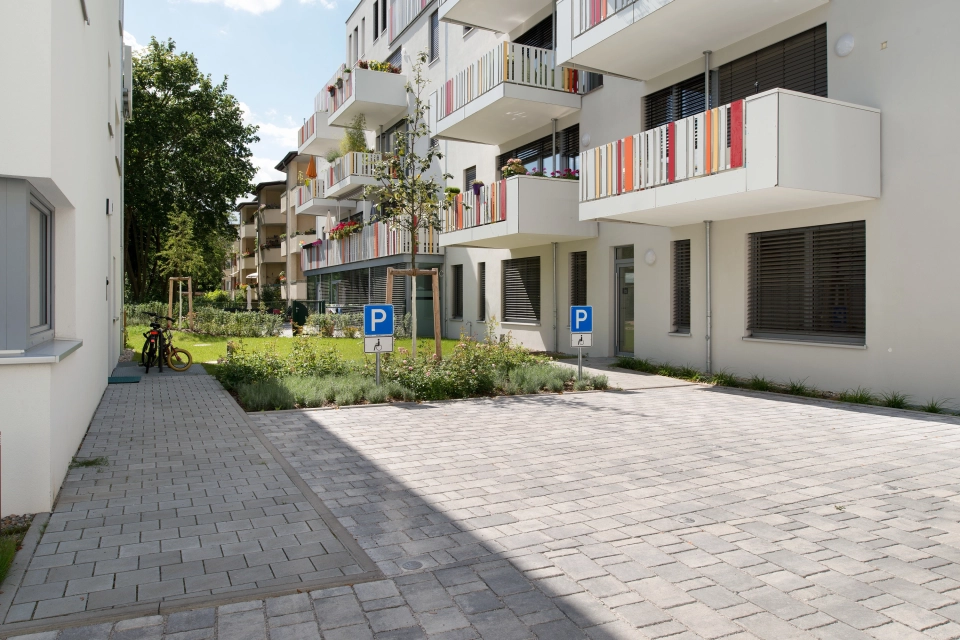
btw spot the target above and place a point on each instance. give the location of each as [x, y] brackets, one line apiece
[581, 332]
[378, 331]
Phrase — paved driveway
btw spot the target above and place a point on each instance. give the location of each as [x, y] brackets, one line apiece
[678, 512]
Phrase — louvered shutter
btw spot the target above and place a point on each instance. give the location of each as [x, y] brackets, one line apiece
[521, 290]
[681, 286]
[578, 278]
[469, 177]
[435, 35]
[798, 63]
[457, 291]
[674, 102]
[809, 283]
[482, 288]
[540, 35]
[396, 58]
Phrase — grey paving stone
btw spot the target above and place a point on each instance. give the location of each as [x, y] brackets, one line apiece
[191, 620]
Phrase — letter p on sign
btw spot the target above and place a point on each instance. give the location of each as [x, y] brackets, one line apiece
[581, 319]
[378, 320]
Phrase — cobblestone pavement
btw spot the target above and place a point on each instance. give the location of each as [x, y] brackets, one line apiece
[189, 504]
[680, 512]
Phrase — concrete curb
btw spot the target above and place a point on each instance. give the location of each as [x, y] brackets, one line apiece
[11, 584]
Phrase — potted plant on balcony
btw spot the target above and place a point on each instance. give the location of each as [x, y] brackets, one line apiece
[513, 168]
[282, 277]
[363, 64]
[332, 89]
[566, 174]
[477, 186]
[345, 229]
[538, 173]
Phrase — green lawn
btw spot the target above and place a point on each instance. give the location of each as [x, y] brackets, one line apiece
[210, 348]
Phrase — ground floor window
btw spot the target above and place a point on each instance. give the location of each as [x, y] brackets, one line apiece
[482, 291]
[578, 278]
[457, 311]
[348, 291]
[521, 290]
[681, 286]
[809, 283]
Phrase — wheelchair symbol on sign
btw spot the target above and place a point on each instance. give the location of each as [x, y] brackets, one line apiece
[377, 347]
[580, 342]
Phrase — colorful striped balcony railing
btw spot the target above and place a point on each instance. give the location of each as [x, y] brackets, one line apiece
[354, 163]
[700, 145]
[469, 210]
[509, 62]
[376, 240]
[306, 193]
[589, 13]
[308, 129]
[330, 102]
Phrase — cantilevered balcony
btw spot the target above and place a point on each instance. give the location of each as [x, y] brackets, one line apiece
[316, 137]
[376, 240]
[349, 174]
[494, 15]
[644, 38]
[309, 200]
[522, 211]
[799, 151]
[381, 96]
[512, 90]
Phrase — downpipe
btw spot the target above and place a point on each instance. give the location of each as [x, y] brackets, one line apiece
[707, 228]
[556, 303]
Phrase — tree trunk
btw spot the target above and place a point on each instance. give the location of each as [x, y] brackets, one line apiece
[413, 296]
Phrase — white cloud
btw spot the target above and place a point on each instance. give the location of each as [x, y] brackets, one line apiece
[269, 132]
[255, 7]
[131, 42]
[265, 170]
[326, 4]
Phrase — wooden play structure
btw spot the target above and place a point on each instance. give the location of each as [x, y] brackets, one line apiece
[413, 273]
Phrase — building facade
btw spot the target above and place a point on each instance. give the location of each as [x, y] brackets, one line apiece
[61, 215]
[740, 186]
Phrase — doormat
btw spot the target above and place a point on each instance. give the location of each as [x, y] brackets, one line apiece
[123, 379]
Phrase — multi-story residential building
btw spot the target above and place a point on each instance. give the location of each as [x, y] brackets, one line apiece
[61, 222]
[733, 209]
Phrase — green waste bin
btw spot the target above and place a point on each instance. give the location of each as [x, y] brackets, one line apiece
[300, 312]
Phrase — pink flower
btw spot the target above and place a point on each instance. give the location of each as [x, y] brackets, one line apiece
[409, 368]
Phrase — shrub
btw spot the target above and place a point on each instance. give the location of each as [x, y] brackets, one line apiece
[242, 324]
[894, 400]
[322, 323]
[317, 391]
[724, 378]
[934, 405]
[307, 358]
[857, 396]
[759, 383]
[800, 388]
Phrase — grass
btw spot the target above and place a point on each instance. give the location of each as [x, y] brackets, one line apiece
[308, 392]
[894, 400]
[934, 405]
[857, 396]
[212, 348]
[759, 383]
[800, 388]
[10, 540]
[89, 462]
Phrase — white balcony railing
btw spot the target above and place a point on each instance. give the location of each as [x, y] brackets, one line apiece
[354, 163]
[509, 62]
[336, 92]
[699, 145]
[473, 209]
[402, 13]
[307, 192]
[589, 13]
[376, 240]
[308, 129]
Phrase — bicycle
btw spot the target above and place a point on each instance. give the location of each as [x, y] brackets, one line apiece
[159, 348]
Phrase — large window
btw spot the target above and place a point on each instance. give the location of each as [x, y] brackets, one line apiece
[674, 103]
[457, 311]
[39, 270]
[434, 36]
[482, 291]
[578, 278]
[539, 155]
[809, 283]
[521, 290]
[469, 177]
[681, 286]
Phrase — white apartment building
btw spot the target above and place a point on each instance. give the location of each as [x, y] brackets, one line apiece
[762, 185]
[61, 221]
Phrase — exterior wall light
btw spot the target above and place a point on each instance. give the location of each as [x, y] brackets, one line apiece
[844, 45]
[650, 257]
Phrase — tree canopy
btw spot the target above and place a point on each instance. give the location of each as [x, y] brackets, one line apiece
[187, 154]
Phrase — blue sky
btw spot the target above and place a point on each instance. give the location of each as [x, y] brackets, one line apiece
[277, 55]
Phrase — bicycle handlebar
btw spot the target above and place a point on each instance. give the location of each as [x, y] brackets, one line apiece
[159, 316]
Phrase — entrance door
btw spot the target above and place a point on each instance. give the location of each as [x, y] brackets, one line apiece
[624, 310]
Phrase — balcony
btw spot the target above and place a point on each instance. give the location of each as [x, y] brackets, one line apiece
[799, 152]
[309, 200]
[349, 174]
[644, 38]
[512, 90]
[271, 253]
[273, 216]
[316, 137]
[522, 211]
[298, 290]
[248, 230]
[376, 240]
[295, 244]
[380, 96]
[494, 15]
[248, 262]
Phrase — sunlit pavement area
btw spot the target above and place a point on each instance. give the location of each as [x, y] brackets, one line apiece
[682, 512]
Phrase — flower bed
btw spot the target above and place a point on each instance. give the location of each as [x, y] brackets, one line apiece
[345, 229]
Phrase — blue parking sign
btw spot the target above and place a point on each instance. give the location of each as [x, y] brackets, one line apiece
[378, 320]
[581, 319]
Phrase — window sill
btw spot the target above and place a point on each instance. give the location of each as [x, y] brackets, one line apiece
[805, 343]
[50, 352]
[677, 334]
[522, 324]
[431, 63]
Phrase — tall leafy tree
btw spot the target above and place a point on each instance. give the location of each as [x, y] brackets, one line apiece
[187, 151]
[409, 194]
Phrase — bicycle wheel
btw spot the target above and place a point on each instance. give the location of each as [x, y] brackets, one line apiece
[179, 359]
[148, 357]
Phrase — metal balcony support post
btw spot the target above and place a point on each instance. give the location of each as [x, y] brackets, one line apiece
[556, 159]
[706, 80]
[707, 228]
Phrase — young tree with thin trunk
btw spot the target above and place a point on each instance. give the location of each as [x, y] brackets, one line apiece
[410, 195]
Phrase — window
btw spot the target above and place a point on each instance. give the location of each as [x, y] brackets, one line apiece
[396, 58]
[434, 36]
[383, 15]
[578, 278]
[674, 103]
[363, 36]
[376, 19]
[538, 155]
[681, 286]
[469, 177]
[356, 45]
[521, 290]
[808, 283]
[482, 289]
[40, 272]
[798, 63]
[467, 30]
[539, 35]
[457, 311]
